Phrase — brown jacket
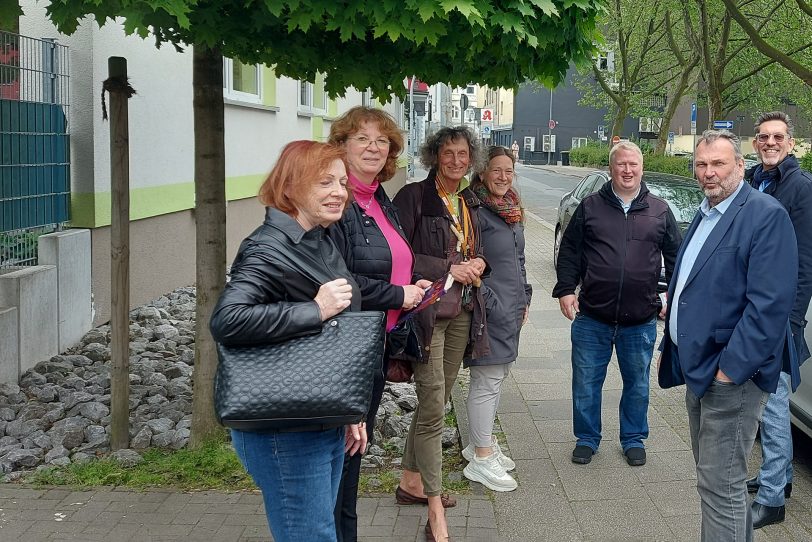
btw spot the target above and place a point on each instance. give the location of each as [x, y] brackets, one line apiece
[427, 226]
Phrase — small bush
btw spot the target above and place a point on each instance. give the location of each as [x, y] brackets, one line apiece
[676, 165]
[806, 161]
[590, 156]
[598, 157]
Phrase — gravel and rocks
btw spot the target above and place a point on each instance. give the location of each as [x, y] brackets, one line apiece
[60, 411]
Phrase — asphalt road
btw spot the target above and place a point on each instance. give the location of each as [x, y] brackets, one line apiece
[541, 190]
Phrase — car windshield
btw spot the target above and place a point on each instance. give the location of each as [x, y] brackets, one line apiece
[683, 199]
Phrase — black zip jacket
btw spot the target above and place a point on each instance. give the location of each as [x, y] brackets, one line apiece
[363, 245]
[616, 257]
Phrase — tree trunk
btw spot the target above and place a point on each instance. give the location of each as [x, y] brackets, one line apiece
[210, 220]
[673, 102]
[620, 116]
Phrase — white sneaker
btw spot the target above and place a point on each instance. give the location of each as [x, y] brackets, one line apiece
[490, 473]
[507, 463]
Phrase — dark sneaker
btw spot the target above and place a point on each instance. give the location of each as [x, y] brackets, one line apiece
[582, 454]
[636, 456]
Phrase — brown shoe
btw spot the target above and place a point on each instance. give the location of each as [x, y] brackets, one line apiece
[404, 497]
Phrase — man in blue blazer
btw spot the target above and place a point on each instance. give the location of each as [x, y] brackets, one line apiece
[726, 327]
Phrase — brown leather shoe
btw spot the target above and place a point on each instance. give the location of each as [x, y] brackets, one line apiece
[404, 497]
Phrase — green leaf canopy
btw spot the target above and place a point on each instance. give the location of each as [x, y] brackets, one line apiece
[367, 44]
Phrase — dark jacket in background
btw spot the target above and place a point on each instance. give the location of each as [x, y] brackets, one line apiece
[506, 291]
[363, 245]
[617, 257]
[792, 187]
[427, 226]
[277, 272]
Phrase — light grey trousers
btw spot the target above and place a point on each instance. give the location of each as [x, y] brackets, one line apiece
[723, 425]
[483, 400]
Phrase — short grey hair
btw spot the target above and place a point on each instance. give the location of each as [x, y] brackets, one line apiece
[710, 136]
[430, 150]
[625, 146]
[774, 115]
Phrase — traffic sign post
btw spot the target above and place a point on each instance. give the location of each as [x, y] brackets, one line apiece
[551, 124]
[463, 103]
[693, 118]
[615, 140]
[670, 142]
[723, 125]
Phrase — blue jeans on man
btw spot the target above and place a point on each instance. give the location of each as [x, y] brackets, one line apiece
[298, 473]
[592, 343]
[776, 447]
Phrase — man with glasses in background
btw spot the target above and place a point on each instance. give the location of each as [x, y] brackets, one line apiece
[780, 176]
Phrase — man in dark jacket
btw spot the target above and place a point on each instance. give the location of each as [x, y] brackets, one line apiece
[780, 176]
[613, 247]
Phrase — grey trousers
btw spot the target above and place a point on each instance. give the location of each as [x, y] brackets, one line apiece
[423, 452]
[483, 400]
[723, 426]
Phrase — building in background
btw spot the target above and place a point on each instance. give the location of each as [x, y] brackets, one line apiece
[263, 112]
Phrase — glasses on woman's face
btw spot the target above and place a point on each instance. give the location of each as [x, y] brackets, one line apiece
[764, 138]
[364, 141]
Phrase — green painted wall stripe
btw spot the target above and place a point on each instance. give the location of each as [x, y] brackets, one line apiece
[92, 210]
[332, 108]
[268, 86]
[317, 124]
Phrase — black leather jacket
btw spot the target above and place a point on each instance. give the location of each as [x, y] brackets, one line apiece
[274, 278]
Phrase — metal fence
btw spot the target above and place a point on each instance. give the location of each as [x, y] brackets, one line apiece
[34, 144]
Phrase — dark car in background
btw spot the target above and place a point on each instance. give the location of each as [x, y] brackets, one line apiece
[681, 193]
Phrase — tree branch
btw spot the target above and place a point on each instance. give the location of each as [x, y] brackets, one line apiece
[801, 71]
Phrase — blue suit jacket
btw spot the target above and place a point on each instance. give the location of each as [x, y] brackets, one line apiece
[734, 308]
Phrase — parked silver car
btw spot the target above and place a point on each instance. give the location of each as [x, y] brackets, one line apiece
[800, 402]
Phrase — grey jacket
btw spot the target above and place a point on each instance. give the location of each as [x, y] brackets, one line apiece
[505, 290]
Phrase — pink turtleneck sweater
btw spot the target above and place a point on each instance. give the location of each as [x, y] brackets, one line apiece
[402, 259]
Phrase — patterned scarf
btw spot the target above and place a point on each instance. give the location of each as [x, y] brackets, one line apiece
[507, 207]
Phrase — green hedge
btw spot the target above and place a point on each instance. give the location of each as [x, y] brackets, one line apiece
[806, 161]
[598, 157]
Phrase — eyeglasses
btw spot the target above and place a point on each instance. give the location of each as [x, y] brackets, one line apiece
[364, 141]
[764, 138]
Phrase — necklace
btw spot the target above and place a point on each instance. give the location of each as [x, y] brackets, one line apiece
[365, 206]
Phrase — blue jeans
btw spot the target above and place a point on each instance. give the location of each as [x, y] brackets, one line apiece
[592, 343]
[298, 474]
[776, 446]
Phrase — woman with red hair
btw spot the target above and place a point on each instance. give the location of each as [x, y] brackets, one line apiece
[288, 278]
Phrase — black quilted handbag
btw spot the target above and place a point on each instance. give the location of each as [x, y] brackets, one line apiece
[319, 379]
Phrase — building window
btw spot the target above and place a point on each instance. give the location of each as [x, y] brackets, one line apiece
[650, 125]
[470, 115]
[605, 61]
[312, 98]
[470, 90]
[242, 81]
[455, 112]
[579, 142]
[366, 98]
